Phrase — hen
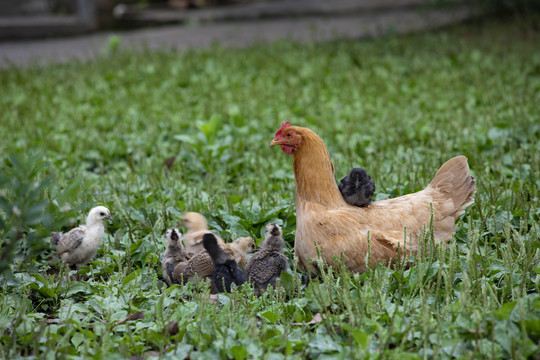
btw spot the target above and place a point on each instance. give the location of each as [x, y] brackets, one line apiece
[197, 227]
[327, 225]
[265, 267]
[226, 271]
[357, 188]
[80, 244]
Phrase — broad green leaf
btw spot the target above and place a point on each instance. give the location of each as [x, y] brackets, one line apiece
[504, 312]
[79, 287]
[239, 352]
[270, 316]
[77, 339]
[131, 276]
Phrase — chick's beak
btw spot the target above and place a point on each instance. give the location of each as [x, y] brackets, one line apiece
[109, 217]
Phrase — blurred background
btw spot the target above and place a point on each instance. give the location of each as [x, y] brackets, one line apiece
[25, 19]
[59, 30]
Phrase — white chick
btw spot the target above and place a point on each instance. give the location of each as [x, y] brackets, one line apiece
[81, 244]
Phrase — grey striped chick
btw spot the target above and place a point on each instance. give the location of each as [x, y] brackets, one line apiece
[173, 255]
[266, 265]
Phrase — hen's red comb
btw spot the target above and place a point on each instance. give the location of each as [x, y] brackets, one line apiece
[283, 127]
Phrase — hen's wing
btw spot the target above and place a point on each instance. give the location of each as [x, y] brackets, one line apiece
[71, 241]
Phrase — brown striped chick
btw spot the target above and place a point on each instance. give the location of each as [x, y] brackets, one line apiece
[197, 226]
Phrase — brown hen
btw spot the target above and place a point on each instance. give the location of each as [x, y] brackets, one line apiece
[327, 225]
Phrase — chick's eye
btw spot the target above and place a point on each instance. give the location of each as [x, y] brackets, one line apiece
[101, 213]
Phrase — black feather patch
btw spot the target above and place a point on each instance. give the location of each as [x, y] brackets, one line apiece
[226, 274]
[357, 188]
[226, 271]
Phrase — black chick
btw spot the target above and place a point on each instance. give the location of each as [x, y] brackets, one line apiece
[357, 188]
[226, 271]
[266, 265]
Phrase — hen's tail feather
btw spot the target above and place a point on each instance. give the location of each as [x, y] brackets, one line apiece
[455, 182]
[216, 253]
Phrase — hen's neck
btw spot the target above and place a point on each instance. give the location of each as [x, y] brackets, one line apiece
[314, 172]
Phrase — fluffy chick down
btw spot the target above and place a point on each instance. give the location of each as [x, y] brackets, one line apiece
[266, 265]
[226, 270]
[357, 188]
[200, 265]
[174, 254]
[197, 227]
[79, 245]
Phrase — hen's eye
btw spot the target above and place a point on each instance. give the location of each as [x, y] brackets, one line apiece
[289, 134]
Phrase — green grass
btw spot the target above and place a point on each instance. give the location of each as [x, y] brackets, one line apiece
[398, 106]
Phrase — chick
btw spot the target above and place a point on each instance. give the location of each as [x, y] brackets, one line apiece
[226, 270]
[197, 226]
[357, 188]
[173, 255]
[81, 244]
[239, 249]
[197, 268]
[266, 265]
[200, 266]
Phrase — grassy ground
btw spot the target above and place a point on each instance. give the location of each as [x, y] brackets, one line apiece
[398, 106]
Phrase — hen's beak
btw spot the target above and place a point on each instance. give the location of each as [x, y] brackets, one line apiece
[275, 142]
